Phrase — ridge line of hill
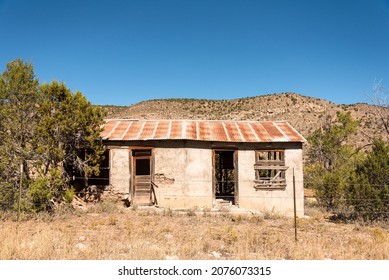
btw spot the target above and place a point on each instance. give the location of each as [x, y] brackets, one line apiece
[304, 113]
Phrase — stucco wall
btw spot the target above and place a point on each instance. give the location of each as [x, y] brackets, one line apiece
[184, 177]
[279, 201]
[183, 173]
[119, 170]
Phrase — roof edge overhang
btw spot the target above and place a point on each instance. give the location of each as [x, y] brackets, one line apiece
[231, 131]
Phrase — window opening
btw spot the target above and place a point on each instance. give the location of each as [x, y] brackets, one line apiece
[270, 169]
[78, 177]
[103, 177]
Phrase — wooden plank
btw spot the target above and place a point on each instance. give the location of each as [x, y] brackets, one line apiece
[143, 188]
[140, 191]
[270, 162]
[236, 176]
[276, 167]
[142, 185]
[143, 178]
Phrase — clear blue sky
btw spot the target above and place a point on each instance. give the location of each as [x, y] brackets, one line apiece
[122, 52]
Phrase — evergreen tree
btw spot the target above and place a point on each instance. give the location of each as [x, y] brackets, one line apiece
[330, 161]
[20, 96]
[46, 128]
[369, 189]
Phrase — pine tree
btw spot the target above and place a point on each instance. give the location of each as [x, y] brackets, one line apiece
[369, 190]
[20, 95]
[46, 128]
[330, 161]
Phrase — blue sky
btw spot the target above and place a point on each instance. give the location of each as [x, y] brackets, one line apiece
[123, 52]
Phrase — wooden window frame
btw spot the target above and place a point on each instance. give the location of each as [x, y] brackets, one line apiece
[272, 163]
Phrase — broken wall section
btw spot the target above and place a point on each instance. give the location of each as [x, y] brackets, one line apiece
[183, 176]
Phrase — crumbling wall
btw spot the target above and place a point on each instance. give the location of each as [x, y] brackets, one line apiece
[183, 176]
[120, 170]
[278, 201]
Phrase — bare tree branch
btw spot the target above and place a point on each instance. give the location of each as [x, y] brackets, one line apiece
[380, 98]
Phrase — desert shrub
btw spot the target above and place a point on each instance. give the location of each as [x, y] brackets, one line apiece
[69, 194]
[368, 192]
[331, 161]
[38, 195]
[7, 195]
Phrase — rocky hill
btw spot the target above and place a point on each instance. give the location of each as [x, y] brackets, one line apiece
[304, 113]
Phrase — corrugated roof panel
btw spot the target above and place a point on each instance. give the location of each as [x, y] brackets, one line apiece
[218, 131]
[246, 132]
[274, 133]
[133, 131]
[191, 132]
[148, 131]
[233, 132]
[162, 131]
[289, 132]
[108, 128]
[176, 130]
[261, 132]
[222, 131]
[204, 133]
[119, 131]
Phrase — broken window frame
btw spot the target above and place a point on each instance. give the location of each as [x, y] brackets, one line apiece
[103, 178]
[271, 163]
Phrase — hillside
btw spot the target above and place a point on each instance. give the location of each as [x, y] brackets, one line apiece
[304, 113]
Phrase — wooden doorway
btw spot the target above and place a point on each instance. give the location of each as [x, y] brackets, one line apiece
[142, 177]
[225, 187]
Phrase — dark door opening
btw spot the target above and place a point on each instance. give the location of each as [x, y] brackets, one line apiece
[142, 166]
[225, 177]
[141, 177]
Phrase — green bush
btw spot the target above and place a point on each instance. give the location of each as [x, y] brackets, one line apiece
[7, 196]
[39, 195]
[368, 192]
[69, 195]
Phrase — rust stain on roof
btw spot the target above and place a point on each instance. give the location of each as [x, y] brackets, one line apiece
[198, 130]
[289, 131]
[119, 130]
[176, 130]
[148, 130]
[162, 131]
[273, 131]
[204, 131]
[261, 132]
[190, 130]
[132, 131]
[233, 133]
[247, 132]
[218, 131]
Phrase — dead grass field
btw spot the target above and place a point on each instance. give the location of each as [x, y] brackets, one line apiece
[110, 232]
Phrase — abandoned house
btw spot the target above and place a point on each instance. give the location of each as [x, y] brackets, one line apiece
[196, 163]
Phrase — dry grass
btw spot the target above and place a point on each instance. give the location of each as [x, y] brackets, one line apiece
[107, 232]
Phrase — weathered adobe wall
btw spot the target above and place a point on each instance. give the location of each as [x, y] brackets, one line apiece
[183, 177]
[119, 170]
[279, 201]
[183, 173]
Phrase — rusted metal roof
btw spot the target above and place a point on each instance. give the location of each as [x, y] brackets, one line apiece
[200, 130]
